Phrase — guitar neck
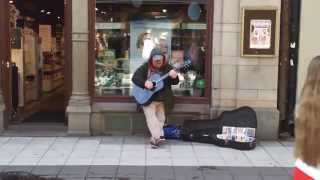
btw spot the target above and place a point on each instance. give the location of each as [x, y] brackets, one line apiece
[162, 77]
[167, 74]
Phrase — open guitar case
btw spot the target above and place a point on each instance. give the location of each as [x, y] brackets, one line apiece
[206, 131]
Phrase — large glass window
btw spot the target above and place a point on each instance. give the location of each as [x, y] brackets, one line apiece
[127, 30]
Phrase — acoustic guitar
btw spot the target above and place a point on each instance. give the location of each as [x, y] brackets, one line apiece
[143, 96]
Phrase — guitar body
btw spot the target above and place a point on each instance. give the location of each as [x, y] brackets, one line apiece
[144, 96]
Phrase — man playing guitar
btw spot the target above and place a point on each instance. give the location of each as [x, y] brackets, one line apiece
[162, 101]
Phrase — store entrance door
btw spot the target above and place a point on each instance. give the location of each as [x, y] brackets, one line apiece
[35, 82]
[5, 61]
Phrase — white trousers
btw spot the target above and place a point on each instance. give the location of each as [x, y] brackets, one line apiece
[155, 117]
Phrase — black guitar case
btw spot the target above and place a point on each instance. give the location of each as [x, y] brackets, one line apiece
[206, 131]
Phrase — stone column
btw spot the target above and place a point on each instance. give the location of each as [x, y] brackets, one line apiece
[79, 108]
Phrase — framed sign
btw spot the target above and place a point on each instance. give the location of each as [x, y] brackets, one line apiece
[258, 35]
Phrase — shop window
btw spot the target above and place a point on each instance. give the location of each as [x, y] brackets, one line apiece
[126, 32]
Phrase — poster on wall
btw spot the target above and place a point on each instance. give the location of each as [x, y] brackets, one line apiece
[260, 34]
[146, 35]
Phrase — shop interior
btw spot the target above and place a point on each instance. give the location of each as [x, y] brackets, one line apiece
[37, 56]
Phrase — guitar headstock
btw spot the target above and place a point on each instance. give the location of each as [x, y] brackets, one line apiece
[183, 67]
[186, 65]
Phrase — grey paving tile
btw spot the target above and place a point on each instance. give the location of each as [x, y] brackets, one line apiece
[72, 178]
[216, 173]
[131, 171]
[101, 178]
[123, 178]
[18, 168]
[136, 140]
[270, 171]
[165, 172]
[188, 177]
[244, 171]
[208, 170]
[289, 170]
[218, 176]
[185, 173]
[131, 178]
[160, 178]
[277, 177]
[2, 168]
[74, 171]
[252, 177]
[112, 140]
[47, 170]
[102, 171]
[50, 177]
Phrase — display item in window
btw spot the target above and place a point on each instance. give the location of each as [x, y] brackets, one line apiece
[145, 44]
[14, 14]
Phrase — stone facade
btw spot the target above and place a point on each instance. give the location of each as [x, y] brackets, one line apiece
[251, 81]
[236, 81]
[309, 45]
[240, 81]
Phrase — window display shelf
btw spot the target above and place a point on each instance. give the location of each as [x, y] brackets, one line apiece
[110, 25]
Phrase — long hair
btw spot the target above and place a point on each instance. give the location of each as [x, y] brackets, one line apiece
[307, 128]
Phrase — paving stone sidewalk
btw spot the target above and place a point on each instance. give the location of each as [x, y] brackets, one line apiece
[130, 157]
[155, 172]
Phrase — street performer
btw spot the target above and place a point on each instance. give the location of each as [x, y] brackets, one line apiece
[162, 101]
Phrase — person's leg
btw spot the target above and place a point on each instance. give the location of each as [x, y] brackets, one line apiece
[152, 123]
[161, 117]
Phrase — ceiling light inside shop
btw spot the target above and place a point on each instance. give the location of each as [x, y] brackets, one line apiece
[97, 9]
[11, 2]
[42, 11]
[48, 12]
[164, 10]
[59, 17]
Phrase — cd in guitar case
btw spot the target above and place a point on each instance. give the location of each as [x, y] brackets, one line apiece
[234, 129]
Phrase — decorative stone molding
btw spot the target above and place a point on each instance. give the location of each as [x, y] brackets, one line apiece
[80, 37]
